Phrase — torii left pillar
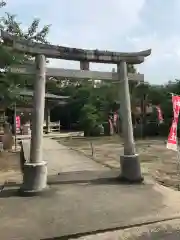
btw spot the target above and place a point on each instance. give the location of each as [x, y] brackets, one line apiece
[129, 161]
[35, 172]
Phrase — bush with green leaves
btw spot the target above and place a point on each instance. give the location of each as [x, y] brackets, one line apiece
[89, 118]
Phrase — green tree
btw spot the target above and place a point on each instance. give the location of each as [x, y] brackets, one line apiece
[131, 68]
[9, 82]
[2, 3]
[89, 118]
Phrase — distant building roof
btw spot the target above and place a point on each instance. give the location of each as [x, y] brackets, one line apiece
[30, 93]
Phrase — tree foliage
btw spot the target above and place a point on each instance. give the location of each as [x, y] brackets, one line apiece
[10, 82]
[2, 3]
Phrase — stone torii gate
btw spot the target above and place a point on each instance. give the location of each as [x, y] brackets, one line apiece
[35, 172]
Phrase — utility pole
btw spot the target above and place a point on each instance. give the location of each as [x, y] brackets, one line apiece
[130, 165]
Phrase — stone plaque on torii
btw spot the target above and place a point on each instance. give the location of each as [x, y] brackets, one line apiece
[36, 169]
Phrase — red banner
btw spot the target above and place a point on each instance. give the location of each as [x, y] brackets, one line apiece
[160, 116]
[172, 138]
[18, 124]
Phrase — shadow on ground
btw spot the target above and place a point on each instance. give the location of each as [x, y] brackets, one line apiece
[112, 177]
[166, 234]
[163, 230]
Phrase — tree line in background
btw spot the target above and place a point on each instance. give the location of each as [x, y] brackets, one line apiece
[91, 103]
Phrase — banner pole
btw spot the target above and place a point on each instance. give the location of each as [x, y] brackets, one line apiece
[178, 167]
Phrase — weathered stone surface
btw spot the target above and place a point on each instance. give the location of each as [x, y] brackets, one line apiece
[130, 168]
[75, 74]
[77, 54]
[34, 174]
[34, 178]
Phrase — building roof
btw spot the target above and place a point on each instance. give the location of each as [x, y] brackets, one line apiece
[30, 93]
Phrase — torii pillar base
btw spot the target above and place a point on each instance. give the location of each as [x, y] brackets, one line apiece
[34, 179]
[130, 169]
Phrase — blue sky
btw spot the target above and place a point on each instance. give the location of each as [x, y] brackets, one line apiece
[120, 25]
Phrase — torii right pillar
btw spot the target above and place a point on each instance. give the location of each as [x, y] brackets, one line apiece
[130, 165]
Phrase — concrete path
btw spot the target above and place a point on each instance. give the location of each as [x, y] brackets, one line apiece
[83, 198]
[62, 159]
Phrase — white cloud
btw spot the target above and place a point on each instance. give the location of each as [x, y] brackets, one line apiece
[94, 24]
[120, 25]
[161, 48]
[165, 57]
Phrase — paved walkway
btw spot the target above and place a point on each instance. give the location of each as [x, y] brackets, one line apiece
[84, 198]
[62, 159]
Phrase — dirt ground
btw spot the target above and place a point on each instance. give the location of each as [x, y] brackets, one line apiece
[156, 159]
[9, 167]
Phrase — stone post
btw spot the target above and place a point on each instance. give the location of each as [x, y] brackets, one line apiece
[130, 165]
[35, 172]
[84, 65]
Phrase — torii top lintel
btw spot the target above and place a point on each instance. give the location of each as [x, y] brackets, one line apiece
[75, 54]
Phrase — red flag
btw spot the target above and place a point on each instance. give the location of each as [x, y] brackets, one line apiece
[18, 124]
[172, 138]
[159, 112]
